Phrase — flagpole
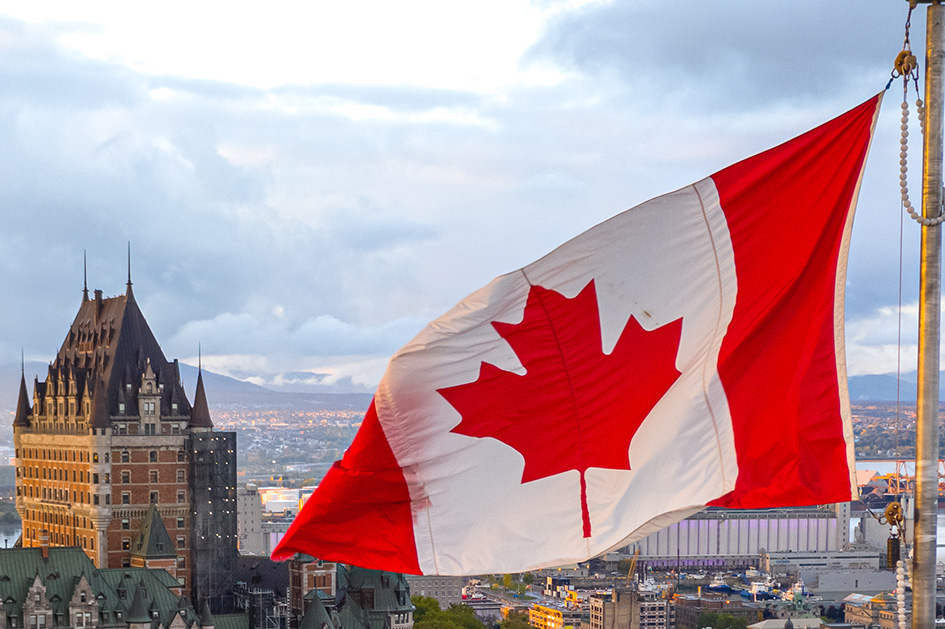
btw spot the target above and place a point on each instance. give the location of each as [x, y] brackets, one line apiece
[930, 299]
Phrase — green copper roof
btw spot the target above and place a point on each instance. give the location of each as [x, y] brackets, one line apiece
[68, 568]
[371, 596]
[153, 542]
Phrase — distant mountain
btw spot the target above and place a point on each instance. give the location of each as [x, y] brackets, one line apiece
[222, 392]
[229, 393]
[882, 388]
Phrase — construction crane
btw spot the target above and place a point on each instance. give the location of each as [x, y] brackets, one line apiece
[633, 566]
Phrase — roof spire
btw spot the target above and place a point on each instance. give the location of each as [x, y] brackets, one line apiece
[200, 412]
[85, 276]
[128, 292]
[23, 409]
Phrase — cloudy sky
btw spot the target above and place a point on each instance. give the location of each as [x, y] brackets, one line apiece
[305, 184]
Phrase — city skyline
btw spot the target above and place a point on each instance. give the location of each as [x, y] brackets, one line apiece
[303, 189]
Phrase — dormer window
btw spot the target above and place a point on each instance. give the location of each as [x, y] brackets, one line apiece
[81, 597]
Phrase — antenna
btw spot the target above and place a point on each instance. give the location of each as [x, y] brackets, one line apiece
[129, 263]
[85, 275]
[199, 358]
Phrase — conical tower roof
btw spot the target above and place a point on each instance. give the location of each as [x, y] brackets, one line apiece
[23, 408]
[153, 541]
[200, 414]
[139, 606]
[206, 618]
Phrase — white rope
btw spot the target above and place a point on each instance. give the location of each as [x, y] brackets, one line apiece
[904, 166]
[901, 574]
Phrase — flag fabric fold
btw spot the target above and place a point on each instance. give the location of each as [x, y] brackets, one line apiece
[684, 353]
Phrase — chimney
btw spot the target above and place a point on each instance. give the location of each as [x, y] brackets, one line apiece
[44, 543]
[98, 304]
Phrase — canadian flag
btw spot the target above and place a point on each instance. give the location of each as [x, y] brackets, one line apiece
[687, 352]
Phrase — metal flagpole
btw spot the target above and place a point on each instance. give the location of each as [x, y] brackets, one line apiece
[930, 299]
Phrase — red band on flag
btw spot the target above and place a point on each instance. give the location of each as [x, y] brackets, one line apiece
[778, 362]
[361, 510]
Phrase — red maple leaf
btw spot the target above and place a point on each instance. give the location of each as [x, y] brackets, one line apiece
[575, 407]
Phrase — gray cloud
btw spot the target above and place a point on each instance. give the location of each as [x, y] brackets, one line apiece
[320, 226]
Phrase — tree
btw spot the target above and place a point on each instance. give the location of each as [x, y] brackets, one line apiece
[528, 578]
[507, 580]
[426, 606]
[464, 616]
[721, 620]
[515, 620]
[438, 621]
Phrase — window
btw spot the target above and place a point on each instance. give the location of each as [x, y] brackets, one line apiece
[181, 497]
[126, 497]
[125, 544]
[181, 541]
[180, 456]
[125, 477]
[106, 457]
[152, 476]
[124, 456]
[108, 478]
[95, 457]
[180, 523]
[180, 562]
[180, 476]
[152, 455]
[154, 497]
[125, 524]
[95, 479]
[125, 563]
[95, 499]
[82, 596]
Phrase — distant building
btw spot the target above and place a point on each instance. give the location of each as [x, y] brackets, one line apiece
[556, 587]
[280, 500]
[689, 608]
[625, 608]
[808, 564]
[447, 590]
[43, 588]
[309, 575]
[262, 592]
[251, 539]
[108, 444]
[274, 528]
[367, 599]
[879, 610]
[554, 616]
[788, 623]
[723, 538]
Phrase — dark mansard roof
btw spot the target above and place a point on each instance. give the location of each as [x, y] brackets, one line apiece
[109, 346]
